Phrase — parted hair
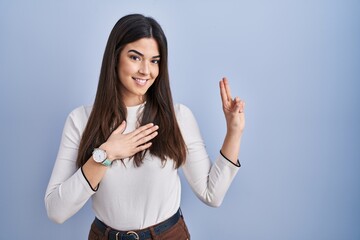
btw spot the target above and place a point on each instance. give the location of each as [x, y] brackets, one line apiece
[109, 109]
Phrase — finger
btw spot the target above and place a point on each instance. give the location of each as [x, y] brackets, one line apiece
[121, 128]
[143, 147]
[147, 138]
[242, 106]
[145, 133]
[227, 88]
[223, 95]
[237, 105]
[140, 129]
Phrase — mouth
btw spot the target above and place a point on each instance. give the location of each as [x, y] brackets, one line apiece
[140, 81]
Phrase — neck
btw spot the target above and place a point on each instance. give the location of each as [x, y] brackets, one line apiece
[130, 102]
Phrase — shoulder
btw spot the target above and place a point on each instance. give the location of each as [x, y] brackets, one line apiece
[81, 112]
[78, 117]
[182, 111]
[187, 122]
[184, 115]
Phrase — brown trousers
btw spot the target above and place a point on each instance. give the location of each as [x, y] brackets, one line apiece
[177, 232]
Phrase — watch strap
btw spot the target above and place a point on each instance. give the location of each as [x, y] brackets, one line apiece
[106, 162]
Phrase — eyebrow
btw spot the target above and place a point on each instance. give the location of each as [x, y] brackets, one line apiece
[139, 53]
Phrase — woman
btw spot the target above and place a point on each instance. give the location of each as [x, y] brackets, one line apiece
[125, 150]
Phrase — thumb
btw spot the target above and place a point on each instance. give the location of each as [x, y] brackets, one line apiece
[121, 128]
[242, 106]
[237, 105]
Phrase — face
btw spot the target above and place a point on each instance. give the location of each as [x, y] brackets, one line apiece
[138, 69]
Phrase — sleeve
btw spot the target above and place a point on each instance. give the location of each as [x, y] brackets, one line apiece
[208, 181]
[68, 189]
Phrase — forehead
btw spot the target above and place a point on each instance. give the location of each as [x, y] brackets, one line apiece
[146, 46]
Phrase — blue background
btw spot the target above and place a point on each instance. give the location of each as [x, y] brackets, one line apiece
[296, 63]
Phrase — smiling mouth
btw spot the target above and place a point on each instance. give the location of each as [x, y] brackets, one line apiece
[140, 81]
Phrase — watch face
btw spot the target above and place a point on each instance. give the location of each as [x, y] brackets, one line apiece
[99, 155]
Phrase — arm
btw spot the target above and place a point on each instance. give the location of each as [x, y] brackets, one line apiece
[119, 146]
[235, 122]
[68, 190]
[210, 182]
[69, 187]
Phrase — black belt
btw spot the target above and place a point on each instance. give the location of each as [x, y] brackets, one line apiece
[140, 234]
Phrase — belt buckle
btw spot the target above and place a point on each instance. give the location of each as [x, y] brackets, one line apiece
[132, 233]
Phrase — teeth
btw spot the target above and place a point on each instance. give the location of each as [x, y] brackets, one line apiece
[140, 81]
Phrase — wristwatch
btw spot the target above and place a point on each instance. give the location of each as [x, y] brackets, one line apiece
[100, 156]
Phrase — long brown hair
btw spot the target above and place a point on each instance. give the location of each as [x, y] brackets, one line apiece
[109, 109]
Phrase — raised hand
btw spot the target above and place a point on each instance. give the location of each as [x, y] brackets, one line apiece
[233, 109]
[119, 145]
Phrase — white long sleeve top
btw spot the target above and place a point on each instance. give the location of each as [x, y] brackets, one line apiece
[130, 197]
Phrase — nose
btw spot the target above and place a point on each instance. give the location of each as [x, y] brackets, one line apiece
[144, 68]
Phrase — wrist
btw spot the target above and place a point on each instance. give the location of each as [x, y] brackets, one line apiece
[237, 163]
[234, 133]
[107, 149]
[100, 156]
[235, 127]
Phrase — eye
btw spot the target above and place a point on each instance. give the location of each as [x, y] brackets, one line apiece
[155, 61]
[135, 57]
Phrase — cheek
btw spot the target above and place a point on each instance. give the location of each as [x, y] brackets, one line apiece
[155, 71]
[126, 69]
